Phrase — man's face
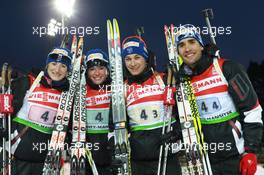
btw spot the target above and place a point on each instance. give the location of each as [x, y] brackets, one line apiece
[190, 50]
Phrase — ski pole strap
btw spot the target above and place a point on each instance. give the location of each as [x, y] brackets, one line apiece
[169, 90]
[158, 78]
[6, 103]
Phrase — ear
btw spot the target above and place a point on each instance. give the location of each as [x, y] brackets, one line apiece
[202, 48]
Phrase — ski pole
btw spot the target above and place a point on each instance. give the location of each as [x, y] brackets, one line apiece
[171, 82]
[65, 41]
[9, 72]
[161, 147]
[140, 31]
[166, 120]
[3, 76]
[208, 14]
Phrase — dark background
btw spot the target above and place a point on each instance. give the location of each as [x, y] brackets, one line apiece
[22, 49]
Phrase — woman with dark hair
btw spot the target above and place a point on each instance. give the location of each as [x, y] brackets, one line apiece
[146, 110]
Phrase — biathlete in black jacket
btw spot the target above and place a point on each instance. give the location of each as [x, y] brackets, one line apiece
[228, 105]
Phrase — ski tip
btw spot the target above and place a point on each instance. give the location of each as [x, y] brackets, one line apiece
[80, 41]
[116, 26]
[74, 37]
[172, 28]
[166, 28]
[109, 30]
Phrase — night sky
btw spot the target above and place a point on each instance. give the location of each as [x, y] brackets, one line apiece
[23, 49]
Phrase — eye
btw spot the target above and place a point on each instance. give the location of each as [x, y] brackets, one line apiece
[101, 68]
[92, 69]
[127, 59]
[53, 63]
[192, 41]
[137, 57]
[181, 45]
[64, 66]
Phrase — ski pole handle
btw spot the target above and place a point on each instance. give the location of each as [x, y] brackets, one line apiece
[208, 14]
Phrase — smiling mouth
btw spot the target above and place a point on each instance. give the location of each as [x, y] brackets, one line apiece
[133, 69]
[98, 79]
[56, 75]
[189, 55]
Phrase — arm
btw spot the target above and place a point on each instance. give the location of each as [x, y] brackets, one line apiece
[246, 100]
[19, 88]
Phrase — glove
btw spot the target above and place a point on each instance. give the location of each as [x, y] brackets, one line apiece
[6, 103]
[248, 164]
[116, 165]
[169, 137]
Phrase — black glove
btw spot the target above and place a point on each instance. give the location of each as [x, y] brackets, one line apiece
[169, 137]
[116, 165]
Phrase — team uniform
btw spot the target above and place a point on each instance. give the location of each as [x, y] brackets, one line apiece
[34, 114]
[98, 99]
[146, 112]
[228, 105]
[230, 113]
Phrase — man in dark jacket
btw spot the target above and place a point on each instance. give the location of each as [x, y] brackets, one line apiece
[228, 105]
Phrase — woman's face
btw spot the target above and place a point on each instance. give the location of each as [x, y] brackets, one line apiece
[135, 64]
[57, 71]
[97, 74]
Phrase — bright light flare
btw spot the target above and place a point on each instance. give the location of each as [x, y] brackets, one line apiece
[65, 6]
[53, 27]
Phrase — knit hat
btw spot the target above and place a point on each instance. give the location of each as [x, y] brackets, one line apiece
[188, 31]
[61, 55]
[96, 57]
[134, 45]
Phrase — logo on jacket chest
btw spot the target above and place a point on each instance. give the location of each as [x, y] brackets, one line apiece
[207, 83]
[144, 91]
[98, 99]
[44, 97]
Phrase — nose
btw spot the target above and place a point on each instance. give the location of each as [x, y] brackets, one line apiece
[57, 68]
[187, 48]
[97, 71]
[132, 62]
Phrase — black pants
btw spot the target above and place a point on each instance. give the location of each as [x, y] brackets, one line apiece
[226, 167]
[151, 167]
[26, 168]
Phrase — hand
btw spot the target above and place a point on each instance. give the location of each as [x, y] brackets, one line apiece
[248, 164]
[6, 103]
[169, 137]
[116, 166]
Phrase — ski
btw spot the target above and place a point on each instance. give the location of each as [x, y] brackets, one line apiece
[56, 145]
[196, 156]
[6, 116]
[78, 152]
[122, 148]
